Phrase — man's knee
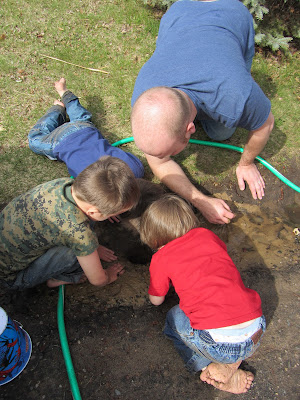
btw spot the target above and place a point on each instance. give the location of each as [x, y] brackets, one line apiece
[217, 131]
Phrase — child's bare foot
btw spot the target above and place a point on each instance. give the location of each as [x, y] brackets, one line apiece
[60, 86]
[240, 382]
[58, 103]
[52, 283]
[219, 372]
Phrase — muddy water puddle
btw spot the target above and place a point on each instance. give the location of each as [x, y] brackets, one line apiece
[261, 234]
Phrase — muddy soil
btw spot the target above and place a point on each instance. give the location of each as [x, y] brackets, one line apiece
[115, 335]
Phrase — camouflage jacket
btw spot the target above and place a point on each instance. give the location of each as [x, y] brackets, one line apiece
[45, 217]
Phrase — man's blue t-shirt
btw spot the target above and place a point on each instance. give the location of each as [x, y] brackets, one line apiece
[205, 49]
[87, 145]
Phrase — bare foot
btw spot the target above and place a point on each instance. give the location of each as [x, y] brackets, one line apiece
[52, 283]
[240, 382]
[219, 372]
[60, 86]
[58, 103]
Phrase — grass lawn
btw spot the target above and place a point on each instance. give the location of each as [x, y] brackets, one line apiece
[116, 36]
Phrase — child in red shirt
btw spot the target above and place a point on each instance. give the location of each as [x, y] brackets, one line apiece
[218, 322]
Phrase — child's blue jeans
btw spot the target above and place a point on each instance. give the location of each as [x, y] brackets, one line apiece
[198, 349]
[52, 128]
[57, 263]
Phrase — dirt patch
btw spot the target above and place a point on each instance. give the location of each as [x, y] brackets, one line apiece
[114, 334]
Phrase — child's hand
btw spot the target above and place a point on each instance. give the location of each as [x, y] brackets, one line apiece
[114, 271]
[106, 254]
[113, 219]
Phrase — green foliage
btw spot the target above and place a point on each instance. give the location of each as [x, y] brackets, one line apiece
[275, 22]
[256, 8]
[162, 4]
[269, 33]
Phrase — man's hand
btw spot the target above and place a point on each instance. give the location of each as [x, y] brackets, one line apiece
[251, 175]
[246, 170]
[214, 210]
[114, 271]
[106, 254]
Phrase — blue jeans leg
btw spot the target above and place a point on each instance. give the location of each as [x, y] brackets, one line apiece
[75, 110]
[52, 128]
[179, 330]
[198, 349]
[57, 263]
[38, 135]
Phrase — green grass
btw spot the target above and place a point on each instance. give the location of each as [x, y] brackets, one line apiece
[117, 36]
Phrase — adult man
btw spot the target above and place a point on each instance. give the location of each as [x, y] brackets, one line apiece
[201, 69]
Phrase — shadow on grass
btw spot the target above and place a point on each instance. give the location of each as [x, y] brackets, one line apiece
[198, 160]
[265, 81]
[100, 119]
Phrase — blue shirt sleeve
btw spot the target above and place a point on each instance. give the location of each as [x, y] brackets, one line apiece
[256, 110]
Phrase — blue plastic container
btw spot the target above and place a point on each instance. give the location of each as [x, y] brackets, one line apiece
[15, 348]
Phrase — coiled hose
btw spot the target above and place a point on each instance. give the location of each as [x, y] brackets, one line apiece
[60, 305]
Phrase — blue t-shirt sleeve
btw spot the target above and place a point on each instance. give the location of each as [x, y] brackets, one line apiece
[256, 110]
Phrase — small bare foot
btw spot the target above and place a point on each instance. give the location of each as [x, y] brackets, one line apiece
[219, 372]
[60, 86]
[58, 103]
[240, 382]
[52, 283]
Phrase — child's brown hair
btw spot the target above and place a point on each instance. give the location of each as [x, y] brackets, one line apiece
[108, 184]
[167, 219]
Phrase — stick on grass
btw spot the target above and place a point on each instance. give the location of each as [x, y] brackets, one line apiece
[75, 65]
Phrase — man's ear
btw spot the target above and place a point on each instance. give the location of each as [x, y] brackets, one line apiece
[190, 129]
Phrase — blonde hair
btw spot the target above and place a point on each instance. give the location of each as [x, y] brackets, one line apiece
[108, 184]
[166, 219]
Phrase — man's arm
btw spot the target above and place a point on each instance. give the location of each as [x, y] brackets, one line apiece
[247, 170]
[94, 271]
[169, 172]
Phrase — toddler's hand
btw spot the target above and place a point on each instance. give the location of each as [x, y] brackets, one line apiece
[106, 254]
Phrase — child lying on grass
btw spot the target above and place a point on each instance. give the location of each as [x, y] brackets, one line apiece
[77, 143]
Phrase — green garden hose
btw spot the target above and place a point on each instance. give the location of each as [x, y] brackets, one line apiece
[228, 146]
[60, 305]
[64, 344]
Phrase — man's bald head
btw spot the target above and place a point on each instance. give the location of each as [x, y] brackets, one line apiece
[159, 120]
